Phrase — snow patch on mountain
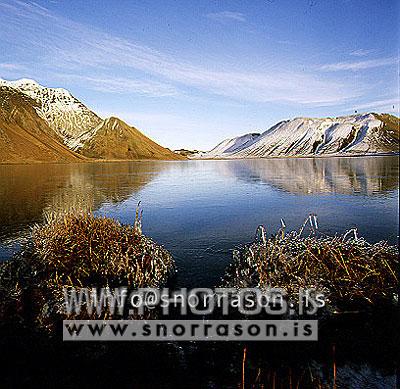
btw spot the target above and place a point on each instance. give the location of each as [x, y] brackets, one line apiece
[78, 142]
[229, 146]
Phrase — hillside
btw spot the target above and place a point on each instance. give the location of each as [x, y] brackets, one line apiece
[75, 131]
[233, 145]
[25, 136]
[368, 133]
[114, 139]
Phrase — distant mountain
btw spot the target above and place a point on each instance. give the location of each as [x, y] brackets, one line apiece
[369, 133]
[187, 153]
[75, 128]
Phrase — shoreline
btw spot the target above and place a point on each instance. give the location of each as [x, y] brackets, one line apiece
[24, 163]
[231, 158]
[88, 161]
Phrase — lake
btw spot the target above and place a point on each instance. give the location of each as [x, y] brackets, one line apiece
[202, 210]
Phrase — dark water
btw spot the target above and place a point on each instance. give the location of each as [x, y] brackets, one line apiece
[201, 210]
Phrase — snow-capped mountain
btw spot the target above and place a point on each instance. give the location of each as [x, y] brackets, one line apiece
[25, 137]
[65, 114]
[78, 128]
[347, 135]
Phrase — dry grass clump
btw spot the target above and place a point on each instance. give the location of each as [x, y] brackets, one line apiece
[80, 249]
[347, 269]
[77, 250]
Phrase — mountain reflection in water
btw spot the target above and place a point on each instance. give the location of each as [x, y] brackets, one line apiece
[28, 191]
[367, 176]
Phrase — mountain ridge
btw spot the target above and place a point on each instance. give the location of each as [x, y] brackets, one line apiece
[79, 132]
[26, 137]
[361, 134]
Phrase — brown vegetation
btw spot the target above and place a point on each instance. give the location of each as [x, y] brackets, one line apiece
[78, 250]
[346, 269]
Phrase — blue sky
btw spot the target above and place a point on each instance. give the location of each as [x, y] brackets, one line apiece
[191, 73]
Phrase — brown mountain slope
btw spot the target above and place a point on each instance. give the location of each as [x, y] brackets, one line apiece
[114, 139]
[25, 136]
[389, 132]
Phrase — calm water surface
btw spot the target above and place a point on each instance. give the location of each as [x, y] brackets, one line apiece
[201, 210]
